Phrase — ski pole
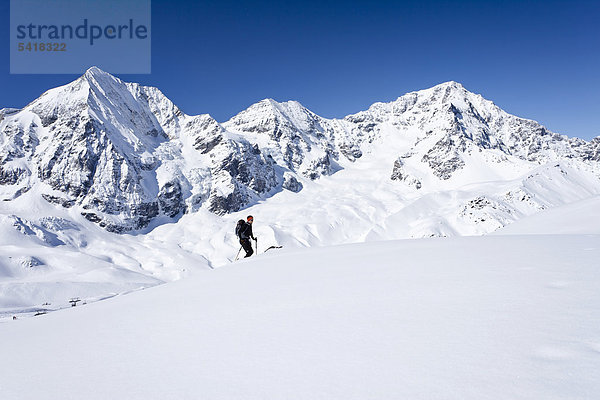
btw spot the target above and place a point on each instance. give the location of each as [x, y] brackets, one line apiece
[238, 254]
[256, 244]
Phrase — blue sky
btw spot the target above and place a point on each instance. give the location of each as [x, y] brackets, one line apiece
[539, 60]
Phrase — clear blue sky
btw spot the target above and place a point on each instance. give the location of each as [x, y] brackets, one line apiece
[539, 60]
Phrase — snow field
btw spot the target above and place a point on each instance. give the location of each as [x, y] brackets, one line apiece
[492, 317]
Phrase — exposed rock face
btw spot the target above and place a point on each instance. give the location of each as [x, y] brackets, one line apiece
[296, 136]
[208, 133]
[232, 201]
[242, 176]
[30, 262]
[58, 200]
[399, 174]
[589, 151]
[289, 125]
[443, 158]
[123, 154]
[170, 199]
[323, 165]
[19, 142]
[291, 183]
[482, 210]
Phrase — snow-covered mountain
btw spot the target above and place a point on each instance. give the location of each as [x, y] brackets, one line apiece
[124, 154]
[100, 154]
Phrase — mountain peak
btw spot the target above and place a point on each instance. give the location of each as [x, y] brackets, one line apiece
[450, 84]
[275, 109]
[96, 76]
[277, 104]
[446, 92]
[450, 88]
[269, 101]
[94, 71]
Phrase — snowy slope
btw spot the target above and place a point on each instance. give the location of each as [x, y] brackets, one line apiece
[516, 319]
[578, 217]
[49, 255]
[351, 207]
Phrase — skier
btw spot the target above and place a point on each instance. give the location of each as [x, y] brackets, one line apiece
[244, 232]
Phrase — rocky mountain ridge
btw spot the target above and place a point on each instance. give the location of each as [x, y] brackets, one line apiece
[124, 154]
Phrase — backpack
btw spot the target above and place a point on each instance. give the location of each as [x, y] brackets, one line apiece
[239, 228]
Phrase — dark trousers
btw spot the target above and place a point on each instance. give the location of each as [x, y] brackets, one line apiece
[247, 247]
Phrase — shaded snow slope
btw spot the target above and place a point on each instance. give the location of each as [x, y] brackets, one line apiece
[515, 319]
